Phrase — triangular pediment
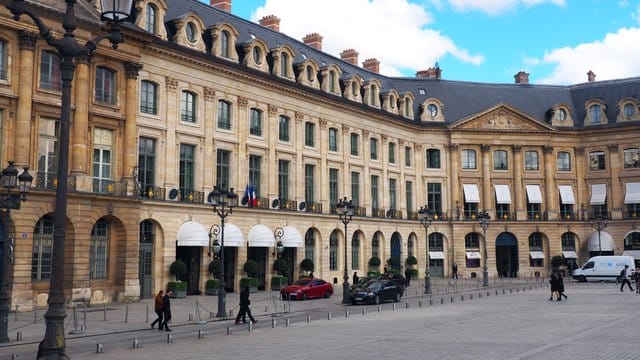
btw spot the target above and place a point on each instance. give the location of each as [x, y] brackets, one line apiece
[501, 118]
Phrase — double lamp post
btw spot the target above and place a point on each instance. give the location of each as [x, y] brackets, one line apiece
[483, 219]
[599, 223]
[345, 210]
[426, 217]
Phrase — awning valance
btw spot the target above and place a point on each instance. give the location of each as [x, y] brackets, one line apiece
[232, 236]
[503, 195]
[632, 193]
[533, 194]
[473, 255]
[436, 255]
[291, 237]
[569, 254]
[261, 236]
[192, 233]
[536, 254]
[598, 194]
[604, 244]
[471, 193]
[566, 195]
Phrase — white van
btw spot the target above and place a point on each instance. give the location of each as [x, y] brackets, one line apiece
[603, 268]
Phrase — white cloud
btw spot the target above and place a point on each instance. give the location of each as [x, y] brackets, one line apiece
[395, 32]
[497, 7]
[617, 56]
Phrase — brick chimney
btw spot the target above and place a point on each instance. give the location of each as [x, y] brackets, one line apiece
[224, 5]
[350, 56]
[271, 22]
[372, 65]
[314, 40]
[431, 73]
[521, 77]
[591, 76]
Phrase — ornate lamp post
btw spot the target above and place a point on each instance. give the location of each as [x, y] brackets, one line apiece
[223, 202]
[345, 210]
[599, 223]
[426, 217]
[277, 234]
[483, 218]
[9, 199]
[68, 49]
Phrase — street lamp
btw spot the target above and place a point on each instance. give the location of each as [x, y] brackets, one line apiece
[483, 218]
[223, 202]
[68, 49]
[277, 234]
[345, 210]
[9, 199]
[426, 217]
[599, 223]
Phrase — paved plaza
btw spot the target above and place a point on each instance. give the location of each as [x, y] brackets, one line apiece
[506, 321]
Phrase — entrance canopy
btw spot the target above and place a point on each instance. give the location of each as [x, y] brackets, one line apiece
[292, 237]
[605, 244]
[192, 233]
[598, 194]
[566, 194]
[632, 194]
[233, 236]
[534, 194]
[471, 193]
[261, 236]
[503, 195]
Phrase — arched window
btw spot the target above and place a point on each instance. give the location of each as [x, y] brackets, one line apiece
[354, 89]
[472, 241]
[42, 249]
[148, 97]
[594, 114]
[536, 256]
[355, 251]
[224, 43]
[375, 245]
[309, 245]
[410, 246]
[568, 241]
[332, 81]
[150, 24]
[284, 65]
[435, 242]
[373, 96]
[98, 250]
[468, 159]
[333, 251]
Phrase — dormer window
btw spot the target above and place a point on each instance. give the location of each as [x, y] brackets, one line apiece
[310, 73]
[562, 115]
[224, 43]
[151, 16]
[224, 38]
[629, 110]
[354, 89]
[257, 55]
[332, 81]
[432, 110]
[392, 101]
[373, 95]
[191, 32]
[594, 114]
[284, 64]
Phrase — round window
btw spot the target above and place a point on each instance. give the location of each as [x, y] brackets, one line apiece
[191, 32]
[629, 110]
[257, 55]
[433, 110]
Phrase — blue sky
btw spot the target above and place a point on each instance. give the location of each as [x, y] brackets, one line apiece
[556, 41]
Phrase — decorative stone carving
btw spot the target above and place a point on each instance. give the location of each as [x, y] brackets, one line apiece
[365, 133]
[272, 109]
[517, 149]
[613, 149]
[209, 93]
[485, 148]
[242, 102]
[580, 150]
[323, 123]
[452, 147]
[384, 137]
[27, 40]
[171, 84]
[299, 117]
[345, 129]
[547, 149]
[132, 69]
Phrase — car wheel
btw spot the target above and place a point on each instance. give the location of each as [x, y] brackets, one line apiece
[304, 296]
[328, 294]
[376, 300]
[582, 278]
[397, 298]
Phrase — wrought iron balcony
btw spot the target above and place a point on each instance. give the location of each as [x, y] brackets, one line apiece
[46, 180]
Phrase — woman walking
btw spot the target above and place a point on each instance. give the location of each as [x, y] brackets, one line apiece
[158, 309]
[560, 287]
[553, 281]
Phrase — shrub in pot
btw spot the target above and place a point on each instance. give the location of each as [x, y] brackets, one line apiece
[178, 288]
[374, 262]
[212, 286]
[278, 282]
[178, 268]
[281, 266]
[307, 265]
[215, 268]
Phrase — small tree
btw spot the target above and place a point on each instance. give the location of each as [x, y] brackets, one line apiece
[178, 268]
[411, 260]
[307, 265]
[374, 262]
[251, 268]
[281, 266]
[214, 268]
[556, 262]
[393, 263]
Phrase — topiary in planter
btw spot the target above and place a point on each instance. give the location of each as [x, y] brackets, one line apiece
[393, 263]
[251, 268]
[281, 266]
[307, 265]
[212, 286]
[178, 268]
[411, 260]
[374, 262]
[214, 268]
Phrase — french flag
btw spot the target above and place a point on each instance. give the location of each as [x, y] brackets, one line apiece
[252, 198]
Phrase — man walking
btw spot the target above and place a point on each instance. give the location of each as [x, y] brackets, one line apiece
[454, 271]
[244, 307]
[407, 275]
[624, 278]
[166, 310]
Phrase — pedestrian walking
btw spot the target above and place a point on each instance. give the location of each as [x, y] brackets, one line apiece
[407, 275]
[244, 307]
[637, 280]
[454, 271]
[158, 309]
[166, 311]
[560, 282]
[553, 282]
[356, 279]
[624, 278]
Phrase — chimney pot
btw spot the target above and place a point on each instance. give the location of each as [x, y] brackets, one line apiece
[350, 56]
[591, 76]
[522, 77]
[271, 22]
[431, 73]
[224, 5]
[314, 40]
[372, 65]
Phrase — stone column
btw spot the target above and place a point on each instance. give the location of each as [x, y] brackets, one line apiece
[79, 132]
[346, 155]
[22, 149]
[320, 179]
[172, 149]
[132, 70]
[487, 203]
[454, 182]
[550, 183]
[617, 187]
[209, 118]
[242, 159]
[518, 187]
[581, 192]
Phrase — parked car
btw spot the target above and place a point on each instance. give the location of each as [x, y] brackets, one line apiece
[307, 288]
[376, 291]
[398, 279]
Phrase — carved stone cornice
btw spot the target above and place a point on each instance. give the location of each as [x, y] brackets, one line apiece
[517, 149]
[417, 147]
[171, 84]
[613, 149]
[485, 148]
[209, 93]
[272, 109]
[242, 102]
[452, 147]
[384, 137]
[27, 40]
[547, 149]
[132, 69]
[400, 142]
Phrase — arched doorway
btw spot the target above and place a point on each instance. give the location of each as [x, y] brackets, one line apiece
[396, 251]
[507, 255]
[145, 259]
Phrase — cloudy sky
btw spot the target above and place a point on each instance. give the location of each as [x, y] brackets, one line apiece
[556, 41]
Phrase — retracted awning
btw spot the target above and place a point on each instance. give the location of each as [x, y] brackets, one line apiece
[232, 236]
[598, 194]
[291, 237]
[533, 194]
[436, 255]
[566, 195]
[632, 193]
[261, 236]
[503, 195]
[569, 254]
[536, 254]
[473, 255]
[471, 193]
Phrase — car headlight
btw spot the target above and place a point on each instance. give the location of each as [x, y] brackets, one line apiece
[371, 294]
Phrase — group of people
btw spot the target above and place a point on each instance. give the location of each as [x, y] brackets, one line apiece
[557, 287]
[162, 305]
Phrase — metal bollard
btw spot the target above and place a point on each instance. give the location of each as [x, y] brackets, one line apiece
[250, 327]
[98, 348]
[200, 334]
[169, 338]
[419, 303]
[190, 317]
[430, 302]
[16, 314]
[126, 314]
[35, 316]
[452, 299]
[230, 313]
[19, 336]
[470, 296]
[441, 300]
[406, 305]
[394, 307]
[364, 311]
[104, 311]
[308, 319]
[135, 343]
[346, 313]
[266, 309]
[228, 330]
[328, 316]
[286, 322]
[273, 323]
[379, 308]
[461, 297]
[211, 315]
[146, 313]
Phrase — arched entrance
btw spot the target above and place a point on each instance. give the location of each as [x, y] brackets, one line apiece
[507, 255]
[145, 259]
[396, 251]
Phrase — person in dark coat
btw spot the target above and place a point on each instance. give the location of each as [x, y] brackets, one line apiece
[407, 275]
[454, 270]
[553, 281]
[356, 279]
[158, 309]
[166, 311]
[244, 307]
[560, 287]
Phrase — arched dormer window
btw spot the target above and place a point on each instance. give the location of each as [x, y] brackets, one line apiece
[372, 93]
[151, 16]
[352, 88]
[307, 74]
[151, 23]
[189, 30]
[628, 109]
[432, 110]
[332, 81]
[406, 106]
[561, 115]
[595, 113]
[282, 62]
[256, 55]
[390, 102]
[224, 38]
[224, 43]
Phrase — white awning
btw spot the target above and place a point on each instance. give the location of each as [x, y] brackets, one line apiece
[232, 236]
[436, 255]
[503, 195]
[261, 236]
[632, 194]
[292, 237]
[473, 255]
[536, 254]
[471, 193]
[566, 195]
[569, 254]
[598, 194]
[192, 233]
[633, 253]
[534, 194]
[605, 243]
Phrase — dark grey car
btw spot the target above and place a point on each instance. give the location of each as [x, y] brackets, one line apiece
[377, 291]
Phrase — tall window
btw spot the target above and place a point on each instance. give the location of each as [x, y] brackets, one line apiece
[255, 163]
[469, 159]
[535, 244]
[224, 44]
[309, 181]
[434, 197]
[283, 128]
[355, 144]
[42, 249]
[410, 246]
[374, 192]
[472, 242]
[224, 115]
[49, 133]
[333, 139]
[435, 242]
[407, 156]
[284, 64]
[255, 125]
[3, 59]
[309, 245]
[500, 160]
[433, 159]
[375, 245]
[392, 153]
[309, 134]
[283, 180]
[49, 70]
[563, 161]
[146, 164]
[98, 250]
[105, 85]
[355, 188]
[409, 199]
[188, 107]
[392, 194]
[222, 168]
[187, 160]
[568, 241]
[102, 148]
[373, 148]
[631, 158]
[594, 114]
[531, 160]
[355, 251]
[148, 97]
[333, 250]
[150, 24]
[333, 188]
[332, 81]
[597, 161]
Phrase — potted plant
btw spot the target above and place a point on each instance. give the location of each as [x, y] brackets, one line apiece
[251, 282]
[215, 268]
[281, 267]
[307, 266]
[178, 289]
[251, 268]
[278, 282]
[179, 269]
[557, 263]
[414, 273]
[374, 263]
[410, 262]
[212, 286]
[393, 264]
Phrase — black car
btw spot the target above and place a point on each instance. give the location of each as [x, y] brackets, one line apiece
[398, 279]
[376, 291]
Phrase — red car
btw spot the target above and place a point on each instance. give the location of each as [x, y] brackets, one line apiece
[307, 288]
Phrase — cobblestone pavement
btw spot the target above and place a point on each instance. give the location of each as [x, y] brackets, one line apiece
[596, 322]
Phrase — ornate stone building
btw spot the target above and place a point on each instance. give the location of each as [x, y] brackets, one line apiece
[197, 97]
